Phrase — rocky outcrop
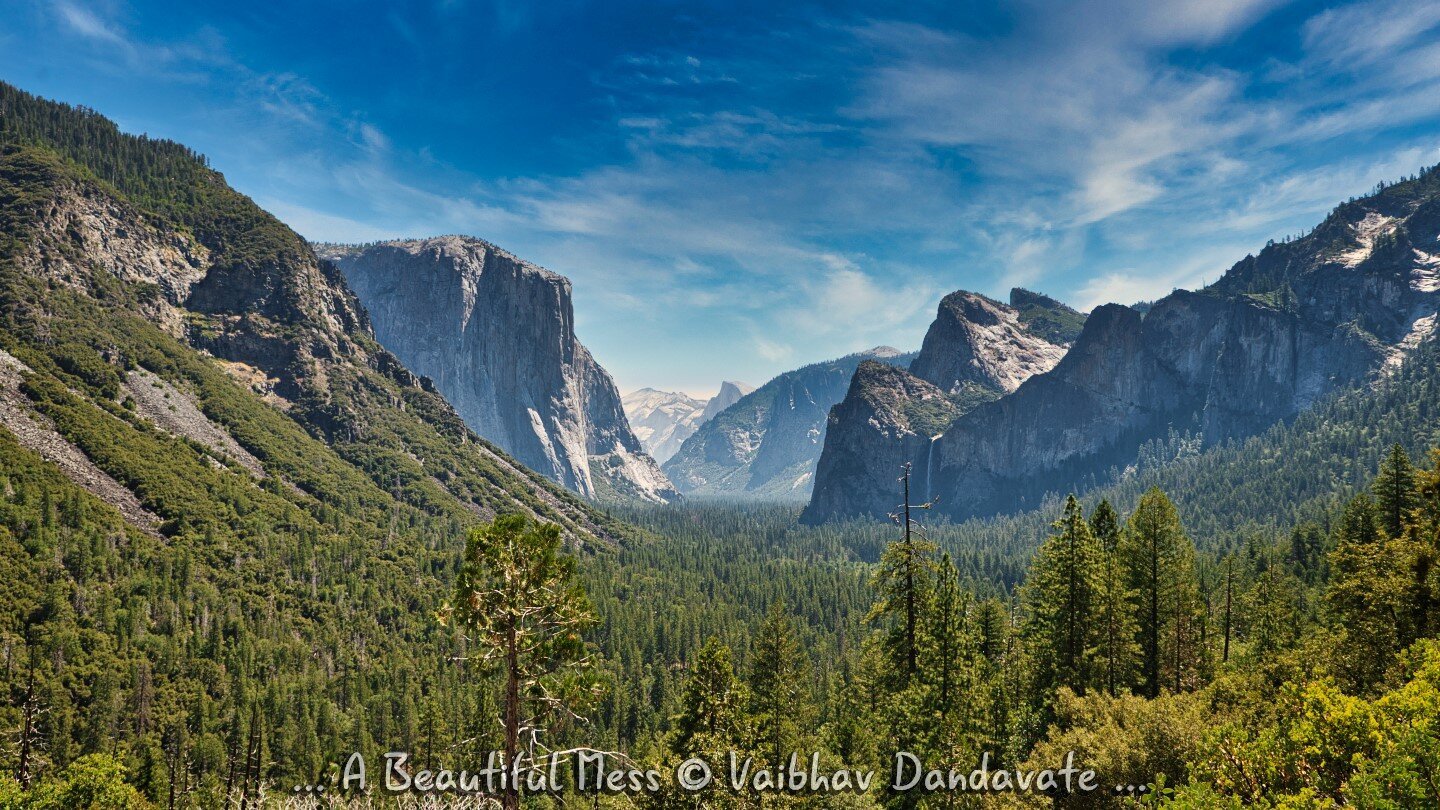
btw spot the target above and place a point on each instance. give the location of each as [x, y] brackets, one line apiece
[729, 394]
[888, 417]
[497, 336]
[766, 445]
[1278, 332]
[35, 433]
[663, 420]
[976, 350]
[976, 341]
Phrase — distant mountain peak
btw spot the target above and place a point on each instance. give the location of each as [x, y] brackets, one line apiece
[730, 393]
[663, 420]
[882, 352]
[765, 444]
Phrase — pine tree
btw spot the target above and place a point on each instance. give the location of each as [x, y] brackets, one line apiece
[1159, 564]
[845, 728]
[1307, 553]
[778, 693]
[1060, 601]
[1426, 520]
[904, 583]
[1272, 608]
[515, 598]
[1105, 525]
[712, 704]
[1381, 589]
[1427, 495]
[1395, 495]
[947, 654]
[1118, 654]
[991, 629]
[1364, 594]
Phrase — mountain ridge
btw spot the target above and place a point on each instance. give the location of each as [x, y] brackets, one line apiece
[975, 351]
[765, 445]
[1278, 332]
[663, 420]
[188, 264]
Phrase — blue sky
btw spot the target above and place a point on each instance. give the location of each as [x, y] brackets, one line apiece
[739, 188]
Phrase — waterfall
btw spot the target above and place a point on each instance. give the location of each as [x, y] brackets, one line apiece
[930, 470]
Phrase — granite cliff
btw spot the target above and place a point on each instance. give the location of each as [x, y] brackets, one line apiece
[1277, 333]
[976, 350]
[496, 334]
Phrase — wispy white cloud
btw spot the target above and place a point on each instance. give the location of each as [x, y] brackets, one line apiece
[86, 23]
[761, 196]
[1370, 33]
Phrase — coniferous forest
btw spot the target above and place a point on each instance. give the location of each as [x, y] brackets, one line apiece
[1252, 623]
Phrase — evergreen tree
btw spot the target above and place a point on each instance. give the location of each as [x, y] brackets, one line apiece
[1061, 601]
[947, 655]
[1105, 525]
[1306, 553]
[712, 704]
[1379, 590]
[991, 629]
[1159, 564]
[516, 598]
[1427, 496]
[778, 693]
[904, 584]
[1118, 654]
[1363, 594]
[1272, 611]
[1394, 488]
[847, 730]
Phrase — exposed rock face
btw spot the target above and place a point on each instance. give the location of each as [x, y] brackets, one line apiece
[37, 434]
[729, 394]
[976, 350]
[974, 340]
[663, 420]
[497, 336]
[1279, 331]
[888, 417]
[766, 444]
[1227, 368]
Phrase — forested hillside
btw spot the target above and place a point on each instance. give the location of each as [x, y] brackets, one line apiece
[1292, 474]
[230, 524]
[229, 514]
